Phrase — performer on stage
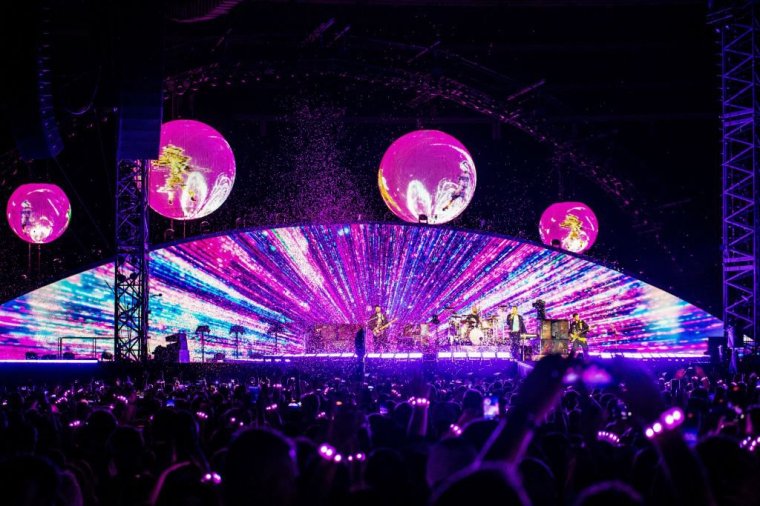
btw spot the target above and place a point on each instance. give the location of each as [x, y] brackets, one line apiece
[473, 319]
[472, 330]
[515, 326]
[578, 331]
[378, 324]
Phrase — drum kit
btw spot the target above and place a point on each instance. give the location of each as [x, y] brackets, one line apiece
[469, 329]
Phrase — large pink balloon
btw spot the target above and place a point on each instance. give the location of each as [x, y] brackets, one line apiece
[194, 173]
[39, 212]
[573, 224]
[429, 173]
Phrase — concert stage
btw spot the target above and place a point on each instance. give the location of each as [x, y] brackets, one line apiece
[264, 292]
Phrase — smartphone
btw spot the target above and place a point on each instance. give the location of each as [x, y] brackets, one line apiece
[490, 407]
[169, 403]
[254, 392]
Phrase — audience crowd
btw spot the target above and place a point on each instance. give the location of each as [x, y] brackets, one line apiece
[569, 433]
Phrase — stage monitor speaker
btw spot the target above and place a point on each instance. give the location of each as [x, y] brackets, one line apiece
[555, 329]
[551, 346]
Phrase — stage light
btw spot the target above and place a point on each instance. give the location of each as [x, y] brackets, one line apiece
[39, 212]
[427, 173]
[194, 173]
[571, 226]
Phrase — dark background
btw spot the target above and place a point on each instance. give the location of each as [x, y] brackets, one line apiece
[612, 103]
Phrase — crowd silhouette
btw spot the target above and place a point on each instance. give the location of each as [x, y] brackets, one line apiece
[568, 433]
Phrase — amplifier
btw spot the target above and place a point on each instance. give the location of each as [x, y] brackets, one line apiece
[556, 329]
[549, 346]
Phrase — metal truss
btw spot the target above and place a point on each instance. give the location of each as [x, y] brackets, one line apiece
[738, 30]
[131, 269]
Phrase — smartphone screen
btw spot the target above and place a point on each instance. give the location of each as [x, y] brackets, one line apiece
[490, 407]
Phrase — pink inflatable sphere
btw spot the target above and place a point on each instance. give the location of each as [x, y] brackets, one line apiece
[39, 212]
[428, 173]
[194, 172]
[571, 226]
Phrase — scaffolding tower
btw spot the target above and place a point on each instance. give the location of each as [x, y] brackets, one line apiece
[131, 266]
[736, 25]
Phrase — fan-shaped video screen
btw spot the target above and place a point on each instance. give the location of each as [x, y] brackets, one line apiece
[269, 290]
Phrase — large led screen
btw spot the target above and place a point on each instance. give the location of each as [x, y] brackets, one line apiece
[280, 284]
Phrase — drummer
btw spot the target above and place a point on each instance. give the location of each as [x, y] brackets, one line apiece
[473, 319]
[515, 326]
[467, 323]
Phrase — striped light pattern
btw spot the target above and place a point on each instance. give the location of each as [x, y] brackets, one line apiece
[301, 276]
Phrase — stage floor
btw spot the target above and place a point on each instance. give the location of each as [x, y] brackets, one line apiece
[455, 353]
[448, 354]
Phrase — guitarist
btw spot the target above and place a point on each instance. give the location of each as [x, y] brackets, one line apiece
[578, 331]
[378, 324]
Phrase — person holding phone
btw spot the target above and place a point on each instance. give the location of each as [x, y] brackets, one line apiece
[491, 407]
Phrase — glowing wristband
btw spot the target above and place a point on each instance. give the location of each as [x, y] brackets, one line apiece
[668, 421]
[419, 401]
[455, 429]
[608, 437]
[750, 443]
[330, 454]
[212, 478]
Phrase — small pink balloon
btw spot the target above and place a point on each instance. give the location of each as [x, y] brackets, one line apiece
[39, 212]
[572, 224]
[194, 173]
[427, 172]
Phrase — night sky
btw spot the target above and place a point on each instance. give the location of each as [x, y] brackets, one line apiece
[623, 116]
